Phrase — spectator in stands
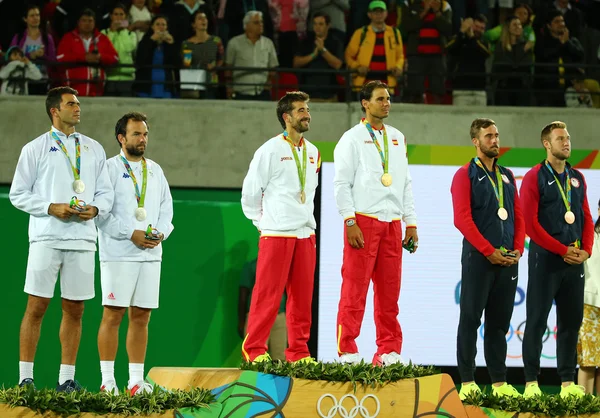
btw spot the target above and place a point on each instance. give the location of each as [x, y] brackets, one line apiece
[120, 80]
[428, 25]
[37, 45]
[277, 342]
[68, 12]
[578, 95]
[572, 15]
[468, 53]
[181, 15]
[289, 24]
[202, 52]
[140, 18]
[512, 66]
[336, 10]
[10, 11]
[251, 50]
[18, 70]
[157, 49]
[555, 46]
[86, 45]
[320, 51]
[234, 12]
[525, 14]
[375, 51]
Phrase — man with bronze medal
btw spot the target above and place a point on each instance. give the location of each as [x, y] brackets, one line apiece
[488, 214]
[373, 192]
[130, 239]
[278, 197]
[60, 166]
[559, 222]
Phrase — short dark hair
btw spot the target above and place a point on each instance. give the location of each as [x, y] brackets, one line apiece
[119, 6]
[552, 14]
[479, 124]
[366, 92]
[121, 126]
[196, 13]
[54, 98]
[481, 18]
[550, 127]
[286, 104]
[324, 16]
[87, 12]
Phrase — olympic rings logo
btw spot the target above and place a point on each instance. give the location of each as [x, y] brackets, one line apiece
[519, 334]
[339, 408]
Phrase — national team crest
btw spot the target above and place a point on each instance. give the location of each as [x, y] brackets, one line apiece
[312, 160]
[395, 142]
[505, 178]
[575, 182]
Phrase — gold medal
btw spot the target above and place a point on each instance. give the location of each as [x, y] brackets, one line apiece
[569, 217]
[303, 196]
[502, 214]
[386, 179]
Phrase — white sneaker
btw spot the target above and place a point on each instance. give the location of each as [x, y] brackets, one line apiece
[350, 358]
[391, 358]
[110, 387]
[140, 388]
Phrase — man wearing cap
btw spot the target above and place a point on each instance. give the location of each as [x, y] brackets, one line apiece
[375, 51]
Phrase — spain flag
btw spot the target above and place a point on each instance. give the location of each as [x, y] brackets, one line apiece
[395, 142]
[312, 160]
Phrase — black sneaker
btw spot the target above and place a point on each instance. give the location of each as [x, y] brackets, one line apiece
[69, 386]
[27, 382]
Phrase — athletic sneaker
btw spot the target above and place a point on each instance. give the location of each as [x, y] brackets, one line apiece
[572, 390]
[69, 386]
[141, 388]
[263, 358]
[350, 358]
[466, 390]
[533, 390]
[388, 359]
[506, 390]
[305, 360]
[27, 382]
[110, 386]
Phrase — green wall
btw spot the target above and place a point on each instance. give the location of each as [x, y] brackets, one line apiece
[196, 322]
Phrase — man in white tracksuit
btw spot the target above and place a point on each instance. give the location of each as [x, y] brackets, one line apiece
[130, 238]
[278, 197]
[373, 192]
[62, 182]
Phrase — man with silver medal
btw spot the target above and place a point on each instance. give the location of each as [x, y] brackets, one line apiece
[487, 212]
[62, 233]
[131, 250]
[559, 222]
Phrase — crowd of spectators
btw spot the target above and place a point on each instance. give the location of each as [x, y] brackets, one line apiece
[470, 52]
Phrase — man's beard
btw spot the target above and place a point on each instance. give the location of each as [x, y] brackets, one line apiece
[560, 155]
[134, 150]
[491, 152]
[298, 126]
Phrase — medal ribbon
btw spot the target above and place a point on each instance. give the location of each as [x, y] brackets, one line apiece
[385, 154]
[301, 168]
[140, 197]
[565, 197]
[77, 168]
[498, 189]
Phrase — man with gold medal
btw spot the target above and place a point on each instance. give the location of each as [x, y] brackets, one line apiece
[58, 167]
[130, 238]
[559, 222]
[278, 197]
[373, 193]
[488, 214]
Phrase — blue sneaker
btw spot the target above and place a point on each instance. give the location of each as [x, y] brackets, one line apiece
[69, 386]
[27, 382]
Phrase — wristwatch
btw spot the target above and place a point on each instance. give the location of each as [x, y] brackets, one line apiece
[350, 222]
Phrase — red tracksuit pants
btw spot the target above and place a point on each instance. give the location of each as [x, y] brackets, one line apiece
[381, 261]
[283, 263]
